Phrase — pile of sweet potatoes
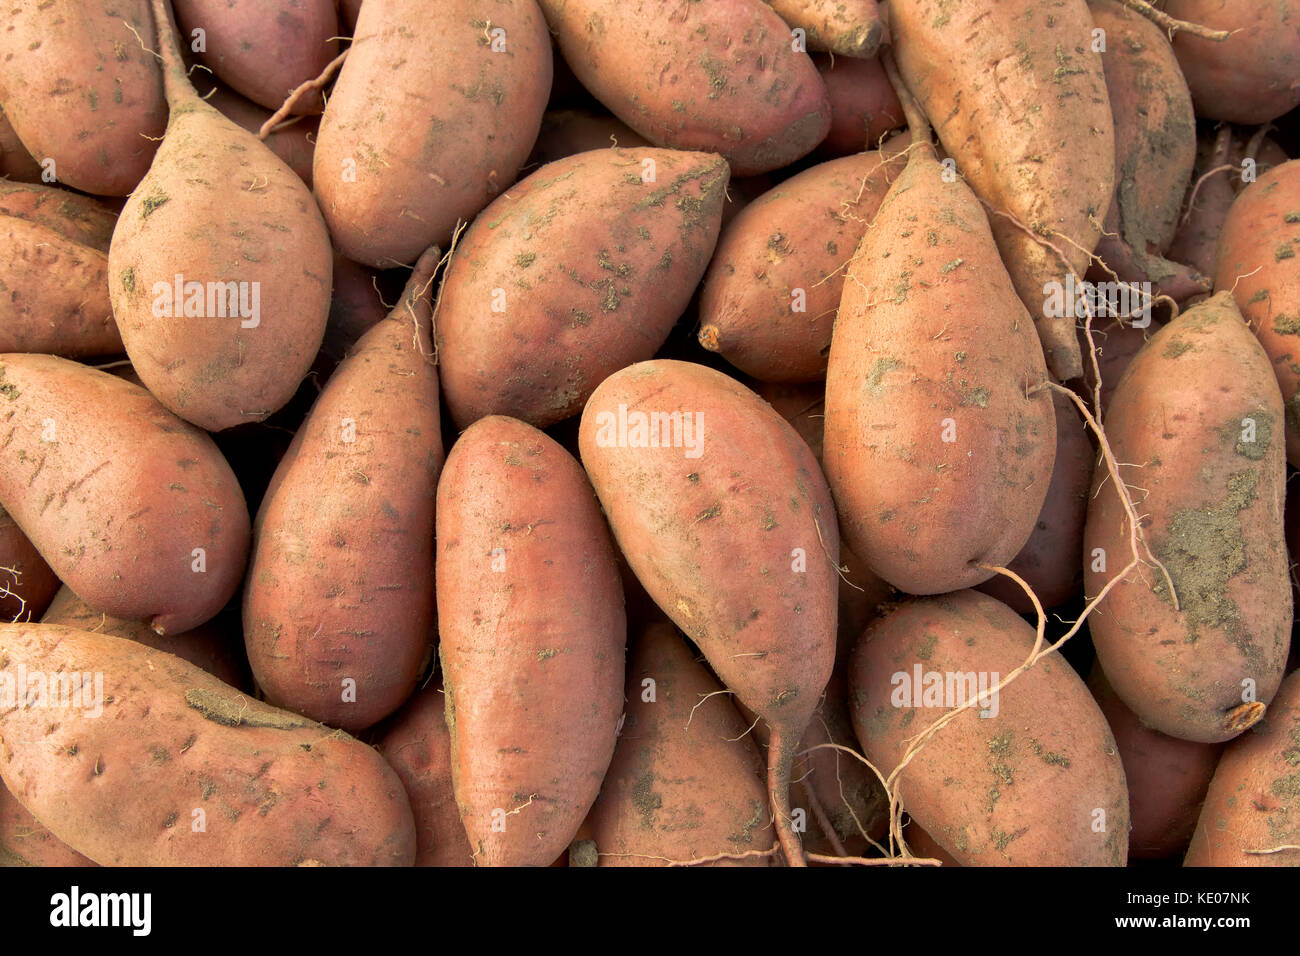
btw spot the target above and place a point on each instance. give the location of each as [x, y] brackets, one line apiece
[588, 433]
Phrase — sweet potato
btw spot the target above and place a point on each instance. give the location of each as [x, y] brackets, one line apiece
[718, 77]
[851, 28]
[1037, 782]
[1258, 261]
[219, 270]
[295, 144]
[773, 286]
[690, 465]
[263, 49]
[417, 745]
[576, 272]
[82, 88]
[531, 637]
[1206, 205]
[864, 107]
[27, 584]
[1167, 777]
[566, 132]
[206, 646]
[1253, 803]
[1049, 561]
[338, 608]
[54, 273]
[161, 764]
[1197, 422]
[938, 453]
[25, 841]
[134, 510]
[433, 113]
[1018, 97]
[1155, 149]
[686, 781]
[356, 307]
[15, 162]
[1251, 77]
[1117, 342]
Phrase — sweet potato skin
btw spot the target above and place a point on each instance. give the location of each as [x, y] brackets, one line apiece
[207, 646]
[100, 119]
[389, 188]
[263, 49]
[417, 745]
[1037, 783]
[851, 28]
[221, 211]
[1155, 150]
[25, 841]
[579, 270]
[1047, 161]
[1258, 260]
[122, 788]
[1049, 561]
[54, 273]
[864, 106]
[939, 455]
[1254, 799]
[1167, 777]
[686, 781]
[717, 77]
[123, 494]
[531, 639]
[1198, 418]
[787, 250]
[27, 583]
[1250, 77]
[751, 490]
[340, 583]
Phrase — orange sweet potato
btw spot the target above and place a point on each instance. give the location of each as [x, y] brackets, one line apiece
[531, 635]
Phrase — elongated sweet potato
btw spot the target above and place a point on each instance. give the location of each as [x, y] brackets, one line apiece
[25, 841]
[1018, 97]
[152, 762]
[219, 270]
[851, 28]
[576, 272]
[1197, 420]
[417, 745]
[27, 583]
[686, 781]
[773, 287]
[718, 77]
[531, 637]
[206, 646]
[1036, 782]
[1155, 149]
[864, 106]
[133, 509]
[433, 113]
[263, 49]
[1252, 77]
[1049, 561]
[1167, 777]
[939, 455]
[338, 609]
[15, 162]
[689, 465]
[1258, 261]
[54, 273]
[1252, 809]
[82, 88]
